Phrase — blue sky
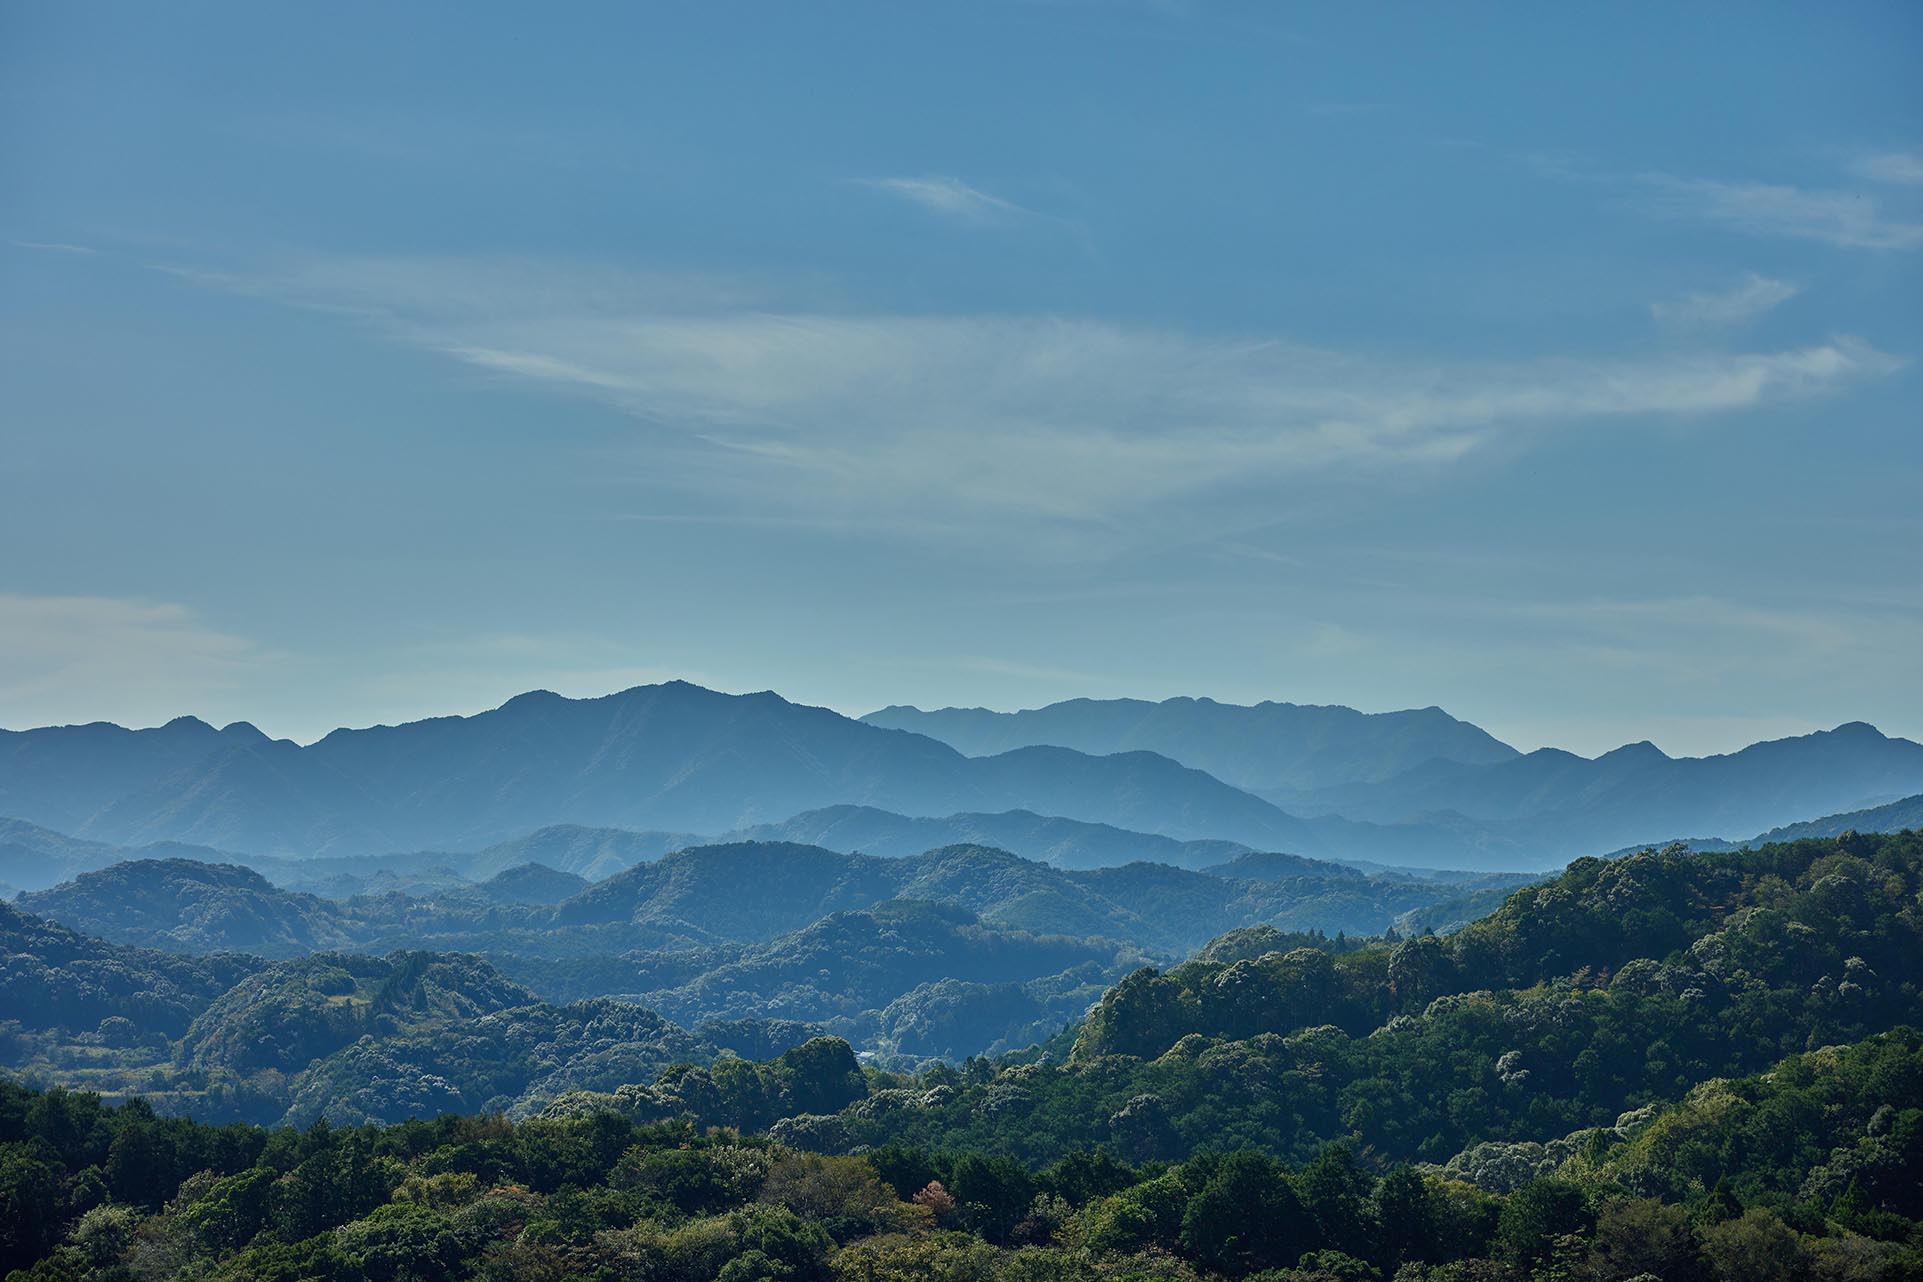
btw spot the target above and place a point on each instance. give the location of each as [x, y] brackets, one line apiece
[1556, 366]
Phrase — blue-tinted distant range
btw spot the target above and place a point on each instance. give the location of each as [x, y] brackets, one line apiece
[1553, 366]
[592, 785]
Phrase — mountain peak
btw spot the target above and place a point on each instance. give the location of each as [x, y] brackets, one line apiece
[531, 699]
[1641, 750]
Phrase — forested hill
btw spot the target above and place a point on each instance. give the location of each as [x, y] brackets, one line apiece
[1619, 984]
[952, 953]
[53, 975]
[743, 892]
[1809, 1171]
[1666, 1064]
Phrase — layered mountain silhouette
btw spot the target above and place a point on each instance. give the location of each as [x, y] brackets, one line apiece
[1564, 804]
[603, 783]
[1894, 817]
[62, 776]
[1050, 839]
[1427, 769]
[670, 757]
[1266, 746]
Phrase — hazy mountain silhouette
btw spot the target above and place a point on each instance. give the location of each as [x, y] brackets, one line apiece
[1065, 843]
[1264, 746]
[61, 776]
[673, 756]
[1565, 805]
[1894, 817]
[545, 777]
[1425, 768]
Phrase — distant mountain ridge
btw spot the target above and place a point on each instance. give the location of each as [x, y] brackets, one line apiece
[1049, 839]
[1425, 769]
[588, 786]
[672, 757]
[1894, 817]
[61, 776]
[1257, 747]
[1567, 805]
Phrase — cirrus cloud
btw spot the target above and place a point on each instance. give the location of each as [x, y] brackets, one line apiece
[1060, 417]
[1738, 305]
[948, 196]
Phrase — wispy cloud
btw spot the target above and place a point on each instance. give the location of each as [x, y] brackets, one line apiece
[1899, 168]
[1738, 305]
[950, 197]
[1849, 219]
[55, 247]
[1057, 417]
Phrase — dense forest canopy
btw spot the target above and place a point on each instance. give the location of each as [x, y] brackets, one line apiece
[1686, 1065]
[1811, 1170]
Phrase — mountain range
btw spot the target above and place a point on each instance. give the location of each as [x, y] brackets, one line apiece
[672, 757]
[1267, 746]
[662, 763]
[1424, 769]
[1558, 802]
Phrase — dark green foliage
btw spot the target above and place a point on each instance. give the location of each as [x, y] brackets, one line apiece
[1246, 943]
[1547, 1018]
[597, 1194]
[1246, 1216]
[295, 1012]
[1535, 1216]
[1616, 1068]
[823, 1076]
[52, 978]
